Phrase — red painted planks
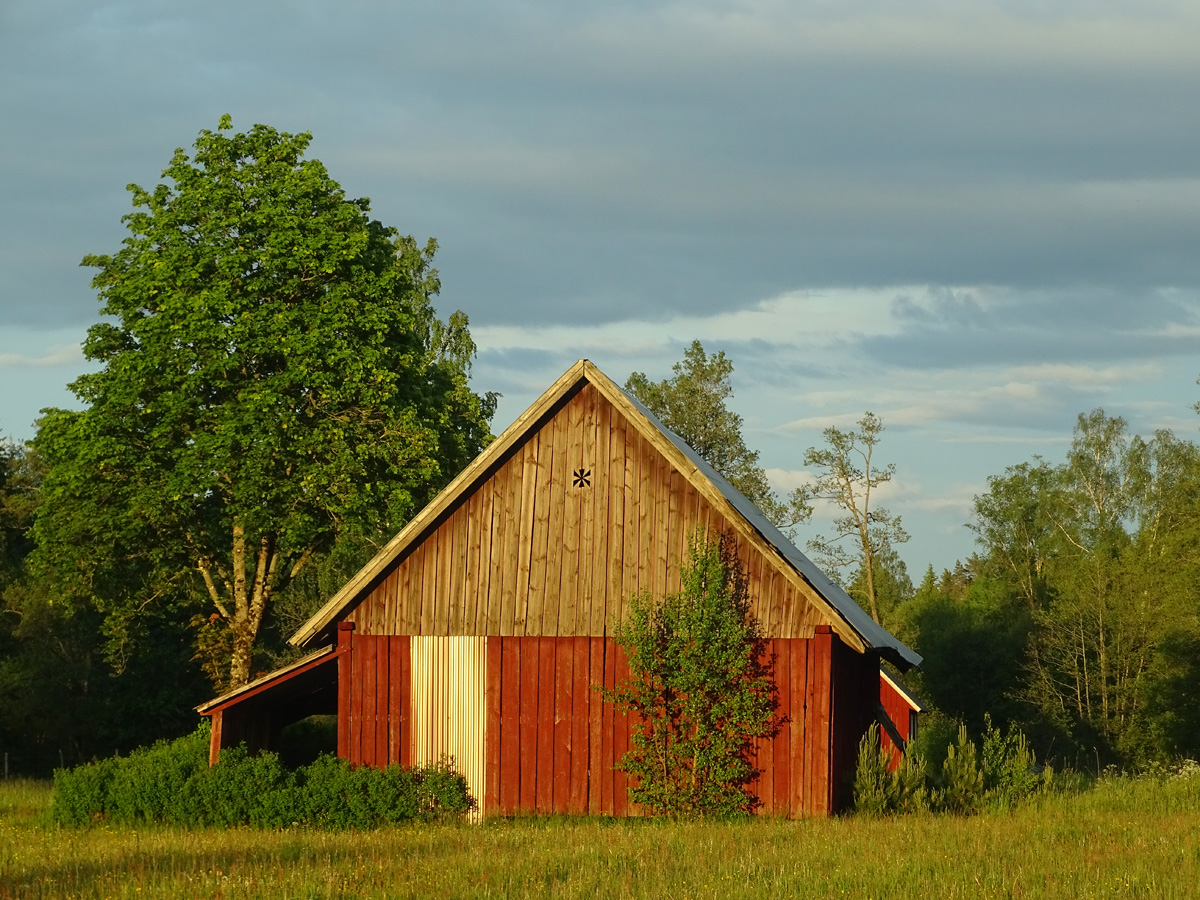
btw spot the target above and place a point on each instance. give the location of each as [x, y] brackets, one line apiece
[545, 725]
[527, 740]
[510, 725]
[564, 689]
[578, 712]
[821, 720]
[493, 730]
[365, 688]
[801, 755]
[596, 709]
[345, 678]
[406, 700]
[383, 703]
[608, 756]
[620, 738]
[395, 709]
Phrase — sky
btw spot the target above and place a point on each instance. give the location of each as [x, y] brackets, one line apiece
[976, 220]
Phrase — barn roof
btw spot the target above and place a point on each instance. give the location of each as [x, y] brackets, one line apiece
[847, 617]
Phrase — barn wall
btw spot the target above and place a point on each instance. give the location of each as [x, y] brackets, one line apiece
[855, 701]
[794, 764]
[448, 702]
[530, 729]
[583, 515]
[552, 743]
[900, 712]
[375, 700]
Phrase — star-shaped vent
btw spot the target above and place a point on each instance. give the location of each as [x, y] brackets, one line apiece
[583, 478]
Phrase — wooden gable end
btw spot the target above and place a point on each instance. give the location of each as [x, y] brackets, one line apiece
[555, 537]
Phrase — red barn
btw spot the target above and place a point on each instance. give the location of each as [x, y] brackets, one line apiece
[900, 709]
[482, 629]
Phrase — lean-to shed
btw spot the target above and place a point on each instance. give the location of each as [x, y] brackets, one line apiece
[899, 718]
[482, 629]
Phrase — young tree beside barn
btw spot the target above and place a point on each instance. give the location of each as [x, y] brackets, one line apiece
[698, 688]
[271, 374]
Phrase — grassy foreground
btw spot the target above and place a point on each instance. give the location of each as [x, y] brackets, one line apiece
[1124, 839]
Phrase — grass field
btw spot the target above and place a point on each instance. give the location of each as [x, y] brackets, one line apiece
[1125, 838]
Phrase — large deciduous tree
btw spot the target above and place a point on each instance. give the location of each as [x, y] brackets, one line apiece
[693, 405]
[271, 374]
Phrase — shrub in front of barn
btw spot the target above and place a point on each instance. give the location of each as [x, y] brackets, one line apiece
[1002, 776]
[171, 783]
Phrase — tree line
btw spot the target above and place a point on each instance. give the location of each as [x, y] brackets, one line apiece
[275, 395]
[1077, 621]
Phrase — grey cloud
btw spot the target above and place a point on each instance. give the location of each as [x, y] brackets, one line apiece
[583, 163]
[1096, 325]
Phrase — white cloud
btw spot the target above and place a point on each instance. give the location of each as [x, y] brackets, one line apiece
[1088, 376]
[60, 355]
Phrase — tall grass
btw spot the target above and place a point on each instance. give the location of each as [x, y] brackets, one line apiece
[1125, 838]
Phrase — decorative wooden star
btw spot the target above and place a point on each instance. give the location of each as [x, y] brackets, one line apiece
[583, 478]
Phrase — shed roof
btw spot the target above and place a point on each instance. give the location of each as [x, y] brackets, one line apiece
[902, 690]
[304, 676]
[847, 617]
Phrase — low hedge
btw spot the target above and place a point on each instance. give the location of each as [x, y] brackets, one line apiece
[171, 783]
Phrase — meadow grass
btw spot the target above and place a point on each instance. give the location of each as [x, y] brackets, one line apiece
[1125, 838]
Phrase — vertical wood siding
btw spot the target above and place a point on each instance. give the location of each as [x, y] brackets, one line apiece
[794, 765]
[528, 728]
[855, 701]
[580, 517]
[552, 743]
[901, 713]
[374, 700]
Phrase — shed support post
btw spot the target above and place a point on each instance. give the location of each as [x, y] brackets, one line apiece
[345, 644]
[214, 738]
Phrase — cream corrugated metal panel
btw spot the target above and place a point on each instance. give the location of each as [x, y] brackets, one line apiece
[449, 680]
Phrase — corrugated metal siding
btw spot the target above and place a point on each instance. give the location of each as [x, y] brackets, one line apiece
[449, 677]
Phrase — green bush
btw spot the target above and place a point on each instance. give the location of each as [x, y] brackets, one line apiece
[172, 783]
[962, 778]
[1004, 774]
[1010, 771]
[879, 791]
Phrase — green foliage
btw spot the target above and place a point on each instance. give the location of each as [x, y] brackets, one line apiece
[937, 732]
[692, 404]
[881, 790]
[961, 790]
[172, 783]
[1001, 776]
[1010, 771]
[20, 483]
[272, 374]
[1126, 837]
[973, 634]
[699, 692]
